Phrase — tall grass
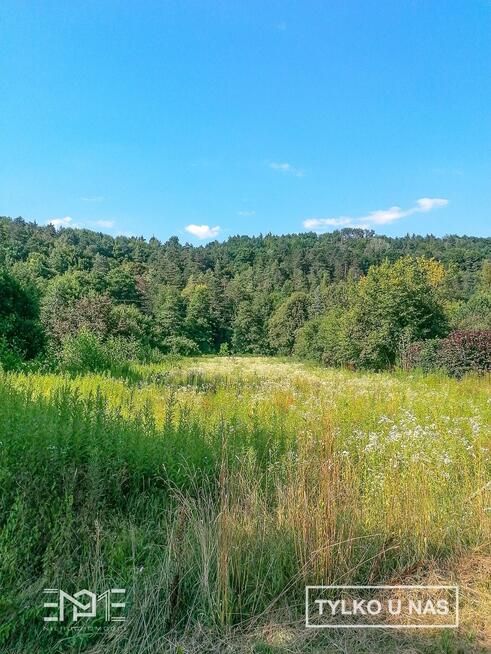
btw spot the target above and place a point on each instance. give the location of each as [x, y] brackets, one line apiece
[213, 491]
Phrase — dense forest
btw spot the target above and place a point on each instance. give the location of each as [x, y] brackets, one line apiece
[350, 298]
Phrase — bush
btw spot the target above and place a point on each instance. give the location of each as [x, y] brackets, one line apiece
[459, 353]
[181, 345]
[474, 314]
[120, 349]
[83, 352]
[326, 339]
[395, 302]
[20, 330]
[10, 359]
[86, 352]
[424, 355]
[224, 350]
[466, 351]
[128, 321]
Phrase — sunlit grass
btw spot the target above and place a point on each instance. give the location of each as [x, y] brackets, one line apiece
[215, 489]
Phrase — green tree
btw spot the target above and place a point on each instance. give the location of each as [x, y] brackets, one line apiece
[474, 314]
[198, 323]
[122, 284]
[485, 276]
[128, 321]
[285, 322]
[57, 305]
[250, 326]
[63, 257]
[20, 331]
[395, 304]
[326, 339]
[169, 314]
[220, 307]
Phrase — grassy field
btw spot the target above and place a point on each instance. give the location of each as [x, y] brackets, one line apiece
[215, 489]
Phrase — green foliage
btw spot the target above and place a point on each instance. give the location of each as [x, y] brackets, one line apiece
[83, 352]
[127, 321]
[254, 294]
[198, 324]
[169, 312]
[10, 359]
[326, 339]
[309, 343]
[250, 326]
[224, 351]
[57, 304]
[180, 345]
[395, 303]
[474, 314]
[460, 353]
[20, 330]
[122, 283]
[86, 352]
[285, 322]
[485, 276]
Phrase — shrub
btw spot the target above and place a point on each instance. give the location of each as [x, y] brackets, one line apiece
[83, 352]
[424, 355]
[181, 345]
[10, 359]
[119, 349]
[128, 321]
[224, 350]
[86, 352]
[474, 314]
[459, 353]
[308, 344]
[394, 303]
[324, 339]
[466, 351]
[19, 326]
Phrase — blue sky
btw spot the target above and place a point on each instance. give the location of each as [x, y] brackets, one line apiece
[228, 117]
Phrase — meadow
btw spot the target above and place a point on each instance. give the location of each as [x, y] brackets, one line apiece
[214, 489]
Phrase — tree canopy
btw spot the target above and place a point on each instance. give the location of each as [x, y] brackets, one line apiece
[349, 297]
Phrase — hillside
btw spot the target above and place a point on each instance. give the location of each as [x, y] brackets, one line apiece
[269, 294]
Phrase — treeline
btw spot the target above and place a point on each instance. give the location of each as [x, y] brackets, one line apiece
[345, 298]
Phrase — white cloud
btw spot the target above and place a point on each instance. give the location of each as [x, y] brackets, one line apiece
[426, 204]
[61, 222]
[105, 223]
[286, 168]
[385, 216]
[378, 217]
[246, 213]
[203, 231]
